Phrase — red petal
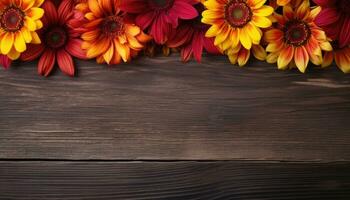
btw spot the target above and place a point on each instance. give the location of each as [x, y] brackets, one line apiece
[33, 52]
[327, 16]
[145, 20]
[65, 11]
[50, 15]
[73, 47]
[134, 6]
[65, 62]
[209, 46]
[197, 45]
[46, 62]
[180, 36]
[325, 3]
[186, 53]
[344, 37]
[183, 10]
[5, 61]
[160, 30]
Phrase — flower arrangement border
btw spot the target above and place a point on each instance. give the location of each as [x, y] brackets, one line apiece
[288, 33]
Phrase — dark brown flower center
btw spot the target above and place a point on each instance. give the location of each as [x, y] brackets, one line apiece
[56, 37]
[296, 33]
[113, 26]
[160, 4]
[11, 19]
[238, 13]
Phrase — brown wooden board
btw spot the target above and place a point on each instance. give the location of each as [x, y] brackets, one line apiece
[162, 109]
[173, 180]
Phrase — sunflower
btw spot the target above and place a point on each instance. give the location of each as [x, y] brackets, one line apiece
[110, 35]
[296, 36]
[18, 22]
[341, 55]
[241, 55]
[235, 22]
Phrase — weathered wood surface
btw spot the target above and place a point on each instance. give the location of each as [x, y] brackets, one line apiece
[162, 109]
[173, 180]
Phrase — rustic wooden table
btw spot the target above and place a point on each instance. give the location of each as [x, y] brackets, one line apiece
[159, 129]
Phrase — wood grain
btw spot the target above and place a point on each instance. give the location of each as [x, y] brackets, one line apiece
[162, 109]
[174, 180]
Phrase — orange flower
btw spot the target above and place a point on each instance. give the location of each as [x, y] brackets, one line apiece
[341, 57]
[297, 39]
[110, 36]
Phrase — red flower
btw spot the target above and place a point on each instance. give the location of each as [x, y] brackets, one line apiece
[335, 20]
[160, 16]
[190, 37]
[60, 40]
[5, 61]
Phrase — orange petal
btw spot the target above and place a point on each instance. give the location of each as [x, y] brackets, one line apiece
[301, 58]
[285, 57]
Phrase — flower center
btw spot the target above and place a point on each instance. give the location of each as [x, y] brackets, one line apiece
[238, 13]
[160, 4]
[12, 19]
[56, 37]
[113, 26]
[296, 33]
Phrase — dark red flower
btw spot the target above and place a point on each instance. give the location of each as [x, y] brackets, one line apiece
[334, 18]
[190, 38]
[60, 38]
[160, 16]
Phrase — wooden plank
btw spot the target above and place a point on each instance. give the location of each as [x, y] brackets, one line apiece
[173, 180]
[164, 109]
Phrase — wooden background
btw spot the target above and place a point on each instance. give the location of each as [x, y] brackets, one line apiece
[161, 129]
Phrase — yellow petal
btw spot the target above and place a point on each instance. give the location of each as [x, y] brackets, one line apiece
[26, 35]
[132, 29]
[29, 23]
[264, 11]
[244, 38]
[253, 33]
[259, 52]
[13, 54]
[35, 13]
[262, 22]
[20, 44]
[123, 50]
[7, 43]
[35, 38]
[109, 54]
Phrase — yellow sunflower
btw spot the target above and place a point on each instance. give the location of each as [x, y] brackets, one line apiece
[19, 19]
[235, 22]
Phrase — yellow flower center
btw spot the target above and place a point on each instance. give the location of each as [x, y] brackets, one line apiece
[113, 26]
[56, 37]
[160, 4]
[296, 33]
[11, 19]
[238, 13]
